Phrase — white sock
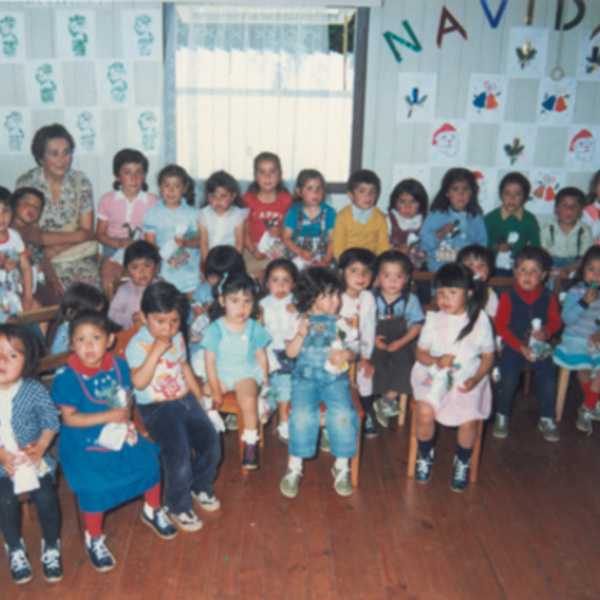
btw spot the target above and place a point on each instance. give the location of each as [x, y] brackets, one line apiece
[250, 436]
[284, 429]
[148, 510]
[342, 463]
[295, 464]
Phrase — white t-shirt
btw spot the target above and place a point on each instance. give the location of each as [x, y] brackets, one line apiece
[221, 229]
[364, 306]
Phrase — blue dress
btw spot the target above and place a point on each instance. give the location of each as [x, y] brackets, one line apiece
[101, 478]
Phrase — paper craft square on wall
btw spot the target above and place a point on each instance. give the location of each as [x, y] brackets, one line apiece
[115, 82]
[144, 128]
[516, 145]
[85, 125]
[417, 93]
[75, 33]
[545, 184]
[582, 153]
[487, 98]
[422, 173]
[12, 36]
[527, 52]
[556, 101]
[588, 63]
[15, 132]
[448, 143]
[141, 33]
[44, 83]
[487, 194]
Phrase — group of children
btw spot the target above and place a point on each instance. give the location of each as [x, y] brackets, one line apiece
[335, 291]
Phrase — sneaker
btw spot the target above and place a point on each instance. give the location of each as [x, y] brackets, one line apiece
[596, 412]
[20, 569]
[290, 484]
[51, 562]
[381, 414]
[500, 429]
[549, 430]
[100, 557]
[187, 520]
[250, 460]
[342, 483]
[324, 441]
[206, 501]
[370, 429]
[585, 417]
[460, 475]
[424, 467]
[160, 524]
[231, 422]
[392, 406]
[283, 433]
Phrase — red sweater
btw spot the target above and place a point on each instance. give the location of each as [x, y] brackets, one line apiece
[552, 325]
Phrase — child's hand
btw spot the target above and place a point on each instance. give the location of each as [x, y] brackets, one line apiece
[366, 368]
[445, 361]
[338, 357]
[590, 295]
[7, 460]
[379, 343]
[305, 255]
[10, 264]
[595, 338]
[35, 453]
[304, 327]
[27, 302]
[161, 344]
[217, 398]
[137, 318]
[468, 385]
[394, 346]
[180, 242]
[57, 287]
[503, 247]
[540, 336]
[2, 258]
[275, 231]
[445, 230]
[527, 353]
[118, 415]
[258, 255]
[125, 243]
[197, 310]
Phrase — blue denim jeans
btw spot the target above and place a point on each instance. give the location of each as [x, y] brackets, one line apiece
[179, 427]
[341, 417]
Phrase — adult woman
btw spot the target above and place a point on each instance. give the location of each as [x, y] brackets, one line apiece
[67, 220]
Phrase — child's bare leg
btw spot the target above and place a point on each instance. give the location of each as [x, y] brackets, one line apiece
[284, 412]
[584, 376]
[247, 392]
[110, 272]
[467, 433]
[425, 421]
[425, 429]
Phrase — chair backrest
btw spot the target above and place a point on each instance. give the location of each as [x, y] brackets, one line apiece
[122, 339]
[112, 288]
[39, 315]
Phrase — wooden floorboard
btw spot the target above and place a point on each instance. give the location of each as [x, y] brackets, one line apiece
[527, 530]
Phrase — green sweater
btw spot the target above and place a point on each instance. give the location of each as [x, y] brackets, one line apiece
[498, 229]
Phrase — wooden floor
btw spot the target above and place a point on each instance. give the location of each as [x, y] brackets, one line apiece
[529, 529]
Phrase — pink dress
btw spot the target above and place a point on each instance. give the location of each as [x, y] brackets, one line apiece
[439, 336]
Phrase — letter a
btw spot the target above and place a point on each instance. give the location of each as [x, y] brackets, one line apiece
[455, 26]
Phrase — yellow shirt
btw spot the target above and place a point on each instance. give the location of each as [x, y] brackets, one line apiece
[348, 233]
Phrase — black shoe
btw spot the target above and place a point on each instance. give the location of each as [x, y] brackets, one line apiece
[370, 429]
[160, 524]
[250, 460]
[100, 557]
[424, 467]
[20, 569]
[51, 562]
[460, 475]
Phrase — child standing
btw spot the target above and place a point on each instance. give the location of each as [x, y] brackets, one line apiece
[121, 211]
[361, 224]
[591, 213]
[171, 225]
[480, 261]
[235, 354]
[169, 402]
[319, 376]
[519, 307]
[450, 378]
[142, 263]
[278, 311]
[28, 424]
[101, 475]
[510, 227]
[580, 345]
[399, 322]
[268, 202]
[454, 220]
[566, 236]
[221, 218]
[308, 226]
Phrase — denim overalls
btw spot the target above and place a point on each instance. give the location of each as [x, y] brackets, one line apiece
[311, 385]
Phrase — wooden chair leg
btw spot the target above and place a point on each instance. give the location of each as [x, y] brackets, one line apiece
[413, 446]
[476, 453]
[403, 407]
[25, 501]
[563, 384]
[355, 462]
[240, 418]
[527, 385]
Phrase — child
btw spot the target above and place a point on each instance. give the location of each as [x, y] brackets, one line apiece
[357, 266]
[278, 311]
[450, 378]
[171, 226]
[121, 212]
[480, 260]
[454, 220]
[268, 202]
[361, 224]
[235, 354]
[592, 210]
[320, 375]
[566, 236]
[142, 263]
[91, 393]
[221, 218]
[518, 308]
[399, 322]
[28, 424]
[169, 402]
[308, 226]
[79, 297]
[578, 350]
[510, 227]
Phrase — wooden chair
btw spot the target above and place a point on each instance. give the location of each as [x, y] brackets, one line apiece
[403, 400]
[37, 316]
[113, 287]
